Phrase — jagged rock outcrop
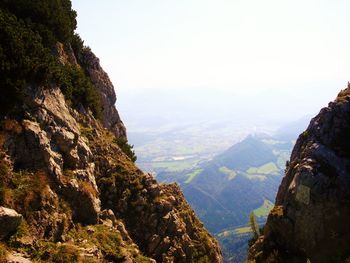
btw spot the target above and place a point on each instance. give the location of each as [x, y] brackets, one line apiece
[157, 217]
[100, 79]
[312, 211]
[49, 140]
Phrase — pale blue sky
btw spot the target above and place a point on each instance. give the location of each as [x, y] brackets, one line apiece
[237, 46]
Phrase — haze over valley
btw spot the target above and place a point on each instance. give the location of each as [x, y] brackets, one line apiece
[214, 95]
[226, 171]
[187, 131]
[185, 128]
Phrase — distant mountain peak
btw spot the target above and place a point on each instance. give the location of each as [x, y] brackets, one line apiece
[249, 152]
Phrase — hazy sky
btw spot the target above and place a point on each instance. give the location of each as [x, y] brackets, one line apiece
[238, 46]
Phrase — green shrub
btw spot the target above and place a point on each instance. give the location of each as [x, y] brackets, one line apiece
[22, 230]
[305, 134]
[54, 19]
[78, 89]
[57, 253]
[24, 191]
[86, 131]
[3, 169]
[23, 60]
[4, 178]
[28, 36]
[109, 242]
[126, 148]
[77, 45]
[65, 253]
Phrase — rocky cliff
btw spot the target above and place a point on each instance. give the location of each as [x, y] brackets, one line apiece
[312, 210]
[68, 191]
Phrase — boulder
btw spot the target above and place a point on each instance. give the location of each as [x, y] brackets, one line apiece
[9, 221]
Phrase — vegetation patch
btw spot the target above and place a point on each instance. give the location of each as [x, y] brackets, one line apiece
[234, 244]
[23, 190]
[230, 173]
[78, 89]
[126, 148]
[243, 230]
[343, 94]
[109, 242]
[87, 132]
[29, 32]
[56, 252]
[269, 168]
[87, 188]
[192, 175]
[3, 252]
[236, 231]
[264, 209]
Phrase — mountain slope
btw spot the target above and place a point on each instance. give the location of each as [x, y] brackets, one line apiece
[69, 190]
[312, 211]
[248, 153]
[225, 190]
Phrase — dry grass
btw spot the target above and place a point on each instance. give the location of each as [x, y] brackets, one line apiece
[3, 253]
[25, 190]
[87, 188]
[53, 252]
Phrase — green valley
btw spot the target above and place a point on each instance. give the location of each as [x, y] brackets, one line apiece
[225, 189]
[223, 183]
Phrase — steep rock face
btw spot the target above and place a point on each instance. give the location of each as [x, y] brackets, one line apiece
[100, 79]
[80, 196]
[49, 140]
[310, 219]
[157, 217]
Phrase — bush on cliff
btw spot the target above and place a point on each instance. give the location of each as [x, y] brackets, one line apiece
[53, 19]
[26, 58]
[126, 148]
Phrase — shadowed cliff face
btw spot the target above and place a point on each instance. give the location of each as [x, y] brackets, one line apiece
[310, 219]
